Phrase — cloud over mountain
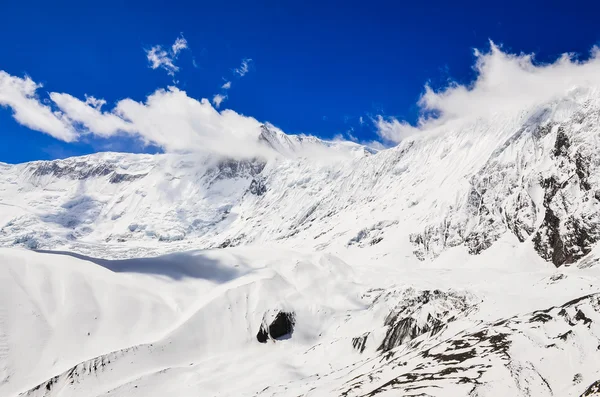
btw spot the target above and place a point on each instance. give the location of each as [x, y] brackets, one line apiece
[505, 83]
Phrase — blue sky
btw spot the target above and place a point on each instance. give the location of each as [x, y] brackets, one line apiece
[317, 67]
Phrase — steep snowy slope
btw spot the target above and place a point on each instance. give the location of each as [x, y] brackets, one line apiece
[462, 262]
[187, 324]
[532, 174]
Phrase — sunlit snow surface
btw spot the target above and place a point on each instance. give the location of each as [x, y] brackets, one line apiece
[426, 269]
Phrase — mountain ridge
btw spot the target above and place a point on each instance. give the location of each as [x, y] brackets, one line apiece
[491, 195]
[463, 261]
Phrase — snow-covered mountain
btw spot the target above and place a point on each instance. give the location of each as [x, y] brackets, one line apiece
[461, 262]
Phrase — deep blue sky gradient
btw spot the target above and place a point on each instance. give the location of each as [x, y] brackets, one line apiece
[317, 65]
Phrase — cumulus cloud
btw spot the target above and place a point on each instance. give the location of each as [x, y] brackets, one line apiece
[20, 95]
[244, 67]
[218, 99]
[158, 57]
[505, 83]
[226, 86]
[168, 118]
[88, 115]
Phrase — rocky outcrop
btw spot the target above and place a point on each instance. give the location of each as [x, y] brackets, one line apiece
[592, 390]
[468, 362]
[360, 342]
[79, 373]
[276, 327]
[72, 170]
[228, 169]
[541, 186]
[118, 177]
[422, 312]
[257, 187]
[571, 222]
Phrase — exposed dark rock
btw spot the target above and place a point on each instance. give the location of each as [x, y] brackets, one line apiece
[562, 143]
[592, 390]
[376, 240]
[580, 316]
[566, 246]
[371, 235]
[226, 243]
[500, 198]
[540, 317]
[547, 241]
[582, 168]
[228, 169]
[258, 187]
[232, 242]
[262, 335]
[77, 170]
[403, 322]
[360, 342]
[280, 326]
[465, 357]
[565, 335]
[117, 177]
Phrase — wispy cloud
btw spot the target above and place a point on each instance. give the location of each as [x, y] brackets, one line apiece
[158, 57]
[244, 68]
[240, 72]
[179, 45]
[218, 99]
[505, 83]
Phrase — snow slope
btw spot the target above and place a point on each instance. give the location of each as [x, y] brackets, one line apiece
[189, 326]
[462, 262]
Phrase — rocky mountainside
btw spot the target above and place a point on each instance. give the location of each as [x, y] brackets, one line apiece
[462, 262]
[533, 175]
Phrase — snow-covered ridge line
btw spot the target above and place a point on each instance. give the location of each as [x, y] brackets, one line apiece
[531, 174]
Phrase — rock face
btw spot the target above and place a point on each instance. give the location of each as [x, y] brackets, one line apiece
[423, 312]
[541, 185]
[593, 390]
[257, 187]
[281, 326]
[360, 342]
[534, 176]
[466, 361]
[571, 220]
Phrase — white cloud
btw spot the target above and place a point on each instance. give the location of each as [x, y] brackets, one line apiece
[158, 57]
[361, 120]
[176, 122]
[505, 83]
[167, 118]
[20, 95]
[95, 103]
[99, 123]
[392, 130]
[179, 44]
[244, 67]
[218, 99]
[226, 86]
